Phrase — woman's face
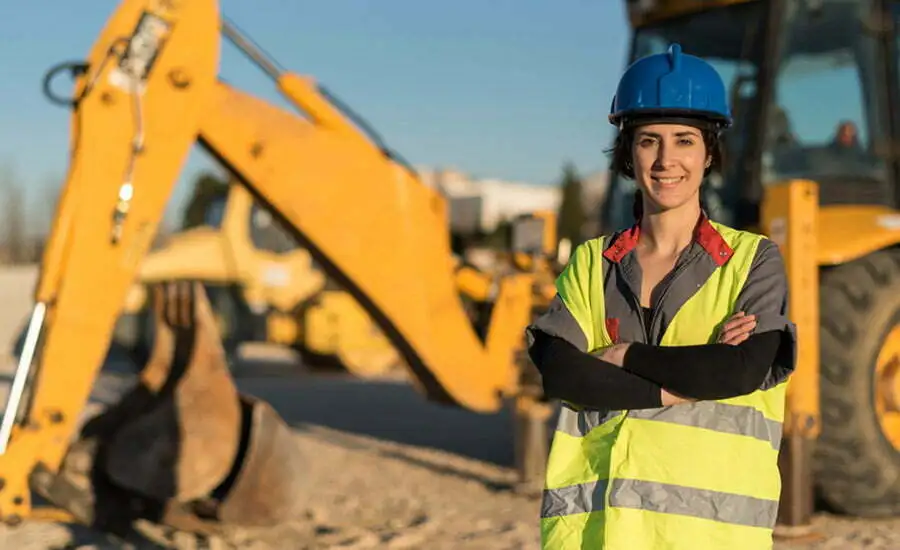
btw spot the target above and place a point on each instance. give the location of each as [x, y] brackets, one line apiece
[669, 161]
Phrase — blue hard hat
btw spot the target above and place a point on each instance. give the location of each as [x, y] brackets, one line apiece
[671, 85]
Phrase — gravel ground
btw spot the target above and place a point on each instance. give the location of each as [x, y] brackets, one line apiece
[382, 474]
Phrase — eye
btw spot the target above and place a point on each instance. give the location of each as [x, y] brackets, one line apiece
[686, 141]
[646, 142]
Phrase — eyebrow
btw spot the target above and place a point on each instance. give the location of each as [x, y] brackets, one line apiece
[679, 134]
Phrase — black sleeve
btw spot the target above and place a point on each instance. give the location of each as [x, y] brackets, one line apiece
[712, 371]
[575, 376]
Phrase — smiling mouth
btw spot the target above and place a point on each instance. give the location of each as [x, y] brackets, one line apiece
[668, 181]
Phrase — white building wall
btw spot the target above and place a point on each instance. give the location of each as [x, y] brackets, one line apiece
[492, 200]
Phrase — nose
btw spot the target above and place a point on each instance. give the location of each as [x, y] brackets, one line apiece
[665, 157]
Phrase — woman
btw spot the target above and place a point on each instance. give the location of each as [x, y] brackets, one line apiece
[671, 421]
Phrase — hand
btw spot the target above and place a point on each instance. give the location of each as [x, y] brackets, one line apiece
[615, 354]
[672, 399]
[737, 329]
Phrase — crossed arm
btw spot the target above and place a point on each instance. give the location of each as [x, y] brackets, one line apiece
[637, 376]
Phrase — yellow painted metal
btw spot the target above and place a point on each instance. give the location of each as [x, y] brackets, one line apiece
[282, 328]
[847, 233]
[381, 228]
[790, 217]
[475, 284]
[336, 325]
[887, 387]
[850, 232]
[100, 234]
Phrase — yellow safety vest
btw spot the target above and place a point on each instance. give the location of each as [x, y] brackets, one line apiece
[695, 476]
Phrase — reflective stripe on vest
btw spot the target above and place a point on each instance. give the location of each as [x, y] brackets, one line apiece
[698, 475]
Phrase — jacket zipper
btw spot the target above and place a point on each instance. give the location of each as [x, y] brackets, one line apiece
[636, 299]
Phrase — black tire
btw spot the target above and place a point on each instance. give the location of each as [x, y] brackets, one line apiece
[857, 469]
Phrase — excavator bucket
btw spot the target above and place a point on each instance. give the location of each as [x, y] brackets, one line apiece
[183, 447]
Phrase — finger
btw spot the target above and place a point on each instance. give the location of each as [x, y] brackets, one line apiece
[745, 328]
[746, 325]
[737, 324]
[738, 339]
[734, 318]
[738, 328]
[743, 332]
[744, 319]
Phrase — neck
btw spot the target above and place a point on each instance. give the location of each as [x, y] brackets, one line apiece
[671, 231]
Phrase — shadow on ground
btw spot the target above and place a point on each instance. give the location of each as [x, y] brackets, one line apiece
[391, 411]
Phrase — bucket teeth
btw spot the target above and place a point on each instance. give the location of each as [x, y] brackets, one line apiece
[183, 446]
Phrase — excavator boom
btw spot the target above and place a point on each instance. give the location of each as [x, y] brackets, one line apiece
[380, 232]
[147, 92]
[124, 132]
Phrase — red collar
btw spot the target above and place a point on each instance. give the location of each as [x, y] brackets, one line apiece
[704, 234]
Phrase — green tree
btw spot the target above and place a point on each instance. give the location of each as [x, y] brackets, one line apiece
[14, 230]
[207, 187]
[571, 215]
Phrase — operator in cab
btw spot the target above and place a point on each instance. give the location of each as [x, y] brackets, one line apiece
[668, 344]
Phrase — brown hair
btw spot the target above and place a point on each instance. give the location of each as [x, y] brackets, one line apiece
[621, 161]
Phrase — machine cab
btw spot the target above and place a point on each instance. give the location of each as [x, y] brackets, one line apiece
[812, 87]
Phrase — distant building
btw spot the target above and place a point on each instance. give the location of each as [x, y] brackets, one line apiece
[480, 205]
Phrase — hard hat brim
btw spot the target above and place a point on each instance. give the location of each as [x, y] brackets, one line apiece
[690, 117]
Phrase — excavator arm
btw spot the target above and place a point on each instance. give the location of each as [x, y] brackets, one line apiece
[378, 230]
[147, 92]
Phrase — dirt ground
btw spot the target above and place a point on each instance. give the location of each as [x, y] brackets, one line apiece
[387, 469]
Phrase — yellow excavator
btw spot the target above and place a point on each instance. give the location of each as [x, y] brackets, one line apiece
[812, 162]
[185, 447]
[262, 287]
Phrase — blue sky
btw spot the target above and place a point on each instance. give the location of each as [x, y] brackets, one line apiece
[506, 88]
